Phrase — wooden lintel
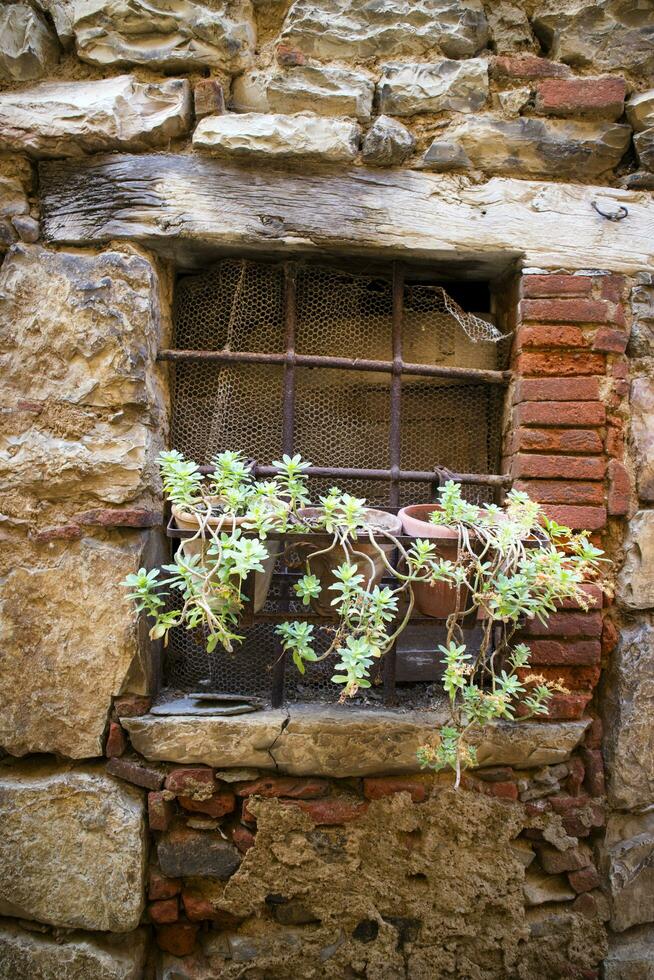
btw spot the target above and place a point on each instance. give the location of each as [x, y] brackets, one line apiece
[191, 208]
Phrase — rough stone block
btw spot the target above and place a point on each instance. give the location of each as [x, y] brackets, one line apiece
[27, 955]
[201, 854]
[410, 89]
[88, 326]
[627, 858]
[72, 847]
[604, 34]
[259, 135]
[326, 741]
[325, 90]
[555, 862]
[628, 704]
[630, 955]
[642, 434]
[387, 143]
[584, 880]
[540, 888]
[356, 30]
[539, 147]
[640, 110]
[13, 207]
[28, 48]
[175, 35]
[636, 579]
[644, 145]
[70, 642]
[445, 155]
[68, 119]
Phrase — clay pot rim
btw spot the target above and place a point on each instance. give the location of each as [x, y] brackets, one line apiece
[190, 517]
[431, 530]
[393, 521]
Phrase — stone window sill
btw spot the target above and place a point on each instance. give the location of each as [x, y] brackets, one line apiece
[329, 740]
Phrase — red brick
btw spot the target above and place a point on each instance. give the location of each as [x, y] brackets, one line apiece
[594, 734]
[611, 341]
[579, 821]
[594, 766]
[610, 637]
[562, 492]
[555, 364]
[557, 653]
[208, 98]
[614, 445]
[560, 413]
[161, 887]
[585, 879]
[557, 390]
[556, 285]
[116, 740]
[578, 518]
[115, 517]
[374, 788]
[555, 862]
[594, 598]
[619, 494]
[288, 56]
[62, 532]
[195, 781]
[527, 66]
[160, 811]
[594, 98]
[331, 811]
[612, 288]
[243, 838]
[565, 310]
[557, 440]
[586, 905]
[552, 336]
[134, 771]
[568, 707]
[575, 779]
[289, 786]
[559, 467]
[216, 806]
[620, 368]
[132, 705]
[495, 774]
[574, 678]
[198, 908]
[572, 624]
[177, 938]
[164, 911]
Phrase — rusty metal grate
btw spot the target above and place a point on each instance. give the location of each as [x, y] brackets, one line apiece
[379, 381]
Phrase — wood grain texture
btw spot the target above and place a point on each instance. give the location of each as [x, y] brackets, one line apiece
[191, 208]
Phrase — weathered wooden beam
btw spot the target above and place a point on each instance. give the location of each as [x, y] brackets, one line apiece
[192, 207]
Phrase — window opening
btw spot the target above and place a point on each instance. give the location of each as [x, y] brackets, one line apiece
[380, 381]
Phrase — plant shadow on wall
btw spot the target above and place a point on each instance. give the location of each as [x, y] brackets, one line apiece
[455, 561]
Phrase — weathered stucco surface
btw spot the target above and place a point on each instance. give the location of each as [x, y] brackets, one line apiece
[386, 897]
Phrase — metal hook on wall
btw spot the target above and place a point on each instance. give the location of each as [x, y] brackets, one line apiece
[618, 215]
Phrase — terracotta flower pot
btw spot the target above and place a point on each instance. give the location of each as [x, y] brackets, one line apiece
[188, 521]
[323, 565]
[440, 599]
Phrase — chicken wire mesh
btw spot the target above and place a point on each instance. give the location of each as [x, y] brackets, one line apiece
[341, 418]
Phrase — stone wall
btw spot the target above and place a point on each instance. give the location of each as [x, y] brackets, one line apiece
[288, 844]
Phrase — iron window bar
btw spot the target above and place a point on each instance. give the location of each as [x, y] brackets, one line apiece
[397, 368]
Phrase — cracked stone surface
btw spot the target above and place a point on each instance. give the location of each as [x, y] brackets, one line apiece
[64, 119]
[326, 90]
[357, 29]
[627, 855]
[76, 956]
[28, 48]
[72, 846]
[270, 136]
[635, 588]
[408, 89]
[165, 34]
[332, 741]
